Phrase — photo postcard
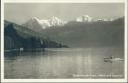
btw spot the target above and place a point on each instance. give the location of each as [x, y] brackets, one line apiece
[63, 41]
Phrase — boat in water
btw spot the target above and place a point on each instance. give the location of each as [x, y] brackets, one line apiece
[111, 59]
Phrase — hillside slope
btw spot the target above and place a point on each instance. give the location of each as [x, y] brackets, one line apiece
[88, 34]
[17, 36]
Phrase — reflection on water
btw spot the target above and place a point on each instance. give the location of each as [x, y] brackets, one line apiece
[64, 63]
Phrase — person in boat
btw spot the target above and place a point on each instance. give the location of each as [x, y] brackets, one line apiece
[111, 57]
[108, 59]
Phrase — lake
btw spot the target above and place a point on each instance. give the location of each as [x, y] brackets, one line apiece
[65, 63]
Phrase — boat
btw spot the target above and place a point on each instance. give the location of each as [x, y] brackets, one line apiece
[111, 59]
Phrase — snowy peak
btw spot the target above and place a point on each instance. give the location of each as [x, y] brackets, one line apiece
[87, 18]
[34, 19]
[84, 18]
[34, 22]
[55, 21]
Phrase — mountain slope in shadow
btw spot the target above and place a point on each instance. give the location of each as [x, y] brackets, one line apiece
[17, 36]
[88, 34]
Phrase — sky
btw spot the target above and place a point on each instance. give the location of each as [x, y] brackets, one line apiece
[22, 12]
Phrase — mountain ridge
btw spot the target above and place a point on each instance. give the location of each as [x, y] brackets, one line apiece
[17, 36]
[80, 34]
[89, 34]
[37, 24]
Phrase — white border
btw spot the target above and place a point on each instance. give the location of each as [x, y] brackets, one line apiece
[66, 1]
[60, 80]
[2, 41]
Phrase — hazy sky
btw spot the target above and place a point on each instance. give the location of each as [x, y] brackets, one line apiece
[22, 12]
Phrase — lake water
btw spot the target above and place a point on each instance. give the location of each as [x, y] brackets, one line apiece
[64, 63]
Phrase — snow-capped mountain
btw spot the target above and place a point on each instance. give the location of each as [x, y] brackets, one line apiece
[87, 18]
[33, 24]
[54, 21]
[37, 24]
[84, 18]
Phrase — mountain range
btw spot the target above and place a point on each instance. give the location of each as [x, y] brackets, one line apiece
[88, 34]
[57, 33]
[37, 25]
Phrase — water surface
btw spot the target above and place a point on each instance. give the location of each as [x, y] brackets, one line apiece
[64, 63]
